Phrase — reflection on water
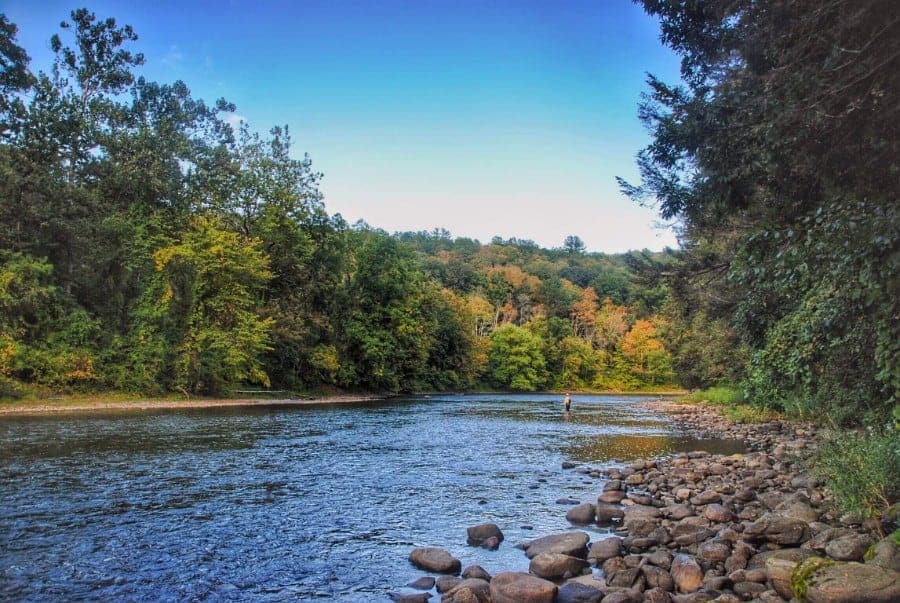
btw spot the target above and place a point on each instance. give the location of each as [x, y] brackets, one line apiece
[287, 503]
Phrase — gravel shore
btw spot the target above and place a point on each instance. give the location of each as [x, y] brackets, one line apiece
[688, 528]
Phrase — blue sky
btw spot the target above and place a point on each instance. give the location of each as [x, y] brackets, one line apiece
[486, 118]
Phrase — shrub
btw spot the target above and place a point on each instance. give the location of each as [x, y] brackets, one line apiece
[862, 470]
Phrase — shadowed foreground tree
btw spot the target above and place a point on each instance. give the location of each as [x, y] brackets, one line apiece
[779, 157]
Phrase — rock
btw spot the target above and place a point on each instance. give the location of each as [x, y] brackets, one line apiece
[605, 549]
[749, 590]
[714, 551]
[623, 596]
[691, 530]
[613, 565]
[518, 587]
[566, 501]
[607, 513]
[623, 578]
[424, 583]
[848, 548]
[678, 512]
[410, 598]
[657, 595]
[641, 512]
[819, 541]
[635, 479]
[778, 529]
[797, 509]
[477, 535]
[760, 560]
[660, 558]
[492, 543]
[683, 493]
[706, 497]
[472, 590]
[852, 583]
[746, 495]
[686, 573]
[433, 559]
[716, 583]
[718, 513]
[779, 571]
[886, 554]
[576, 592]
[569, 465]
[476, 571]
[611, 497]
[657, 577]
[446, 583]
[568, 543]
[556, 565]
[639, 526]
[581, 514]
[641, 499]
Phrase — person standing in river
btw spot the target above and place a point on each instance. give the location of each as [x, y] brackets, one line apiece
[567, 402]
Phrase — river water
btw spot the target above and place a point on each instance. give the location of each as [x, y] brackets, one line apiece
[296, 503]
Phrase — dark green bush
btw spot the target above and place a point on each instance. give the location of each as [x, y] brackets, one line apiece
[862, 470]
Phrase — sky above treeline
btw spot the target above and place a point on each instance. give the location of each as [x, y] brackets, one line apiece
[487, 118]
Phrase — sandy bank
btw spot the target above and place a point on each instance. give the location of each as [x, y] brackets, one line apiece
[51, 406]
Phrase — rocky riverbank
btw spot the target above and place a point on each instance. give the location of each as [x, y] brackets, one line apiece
[689, 528]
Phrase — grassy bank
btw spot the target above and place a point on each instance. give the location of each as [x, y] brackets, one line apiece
[731, 403]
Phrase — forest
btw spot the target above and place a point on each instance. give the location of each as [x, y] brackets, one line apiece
[148, 246]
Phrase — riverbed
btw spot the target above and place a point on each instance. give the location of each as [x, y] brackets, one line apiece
[276, 503]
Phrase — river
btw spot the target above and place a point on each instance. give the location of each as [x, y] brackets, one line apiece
[296, 503]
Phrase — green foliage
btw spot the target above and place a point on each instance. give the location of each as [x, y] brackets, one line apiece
[862, 470]
[778, 156]
[803, 571]
[205, 299]
[721, 395]
[515, 360]
[146, 245]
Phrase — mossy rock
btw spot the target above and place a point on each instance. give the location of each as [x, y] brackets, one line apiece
[802, 572]
[826, 581]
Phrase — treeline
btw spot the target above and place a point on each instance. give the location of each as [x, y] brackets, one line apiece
[148, 246]
[778, 156]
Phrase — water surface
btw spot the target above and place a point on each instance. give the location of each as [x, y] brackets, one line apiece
[288, 503]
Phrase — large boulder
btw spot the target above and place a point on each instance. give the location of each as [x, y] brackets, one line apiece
[885, 554]
[568, 543]
[779, 529]
[759, 560]
[850, 583]
[554, 566]
[478, 535]
[581, 514]
[779, 571]
[686, 573]
[433, 559]
[518, 587]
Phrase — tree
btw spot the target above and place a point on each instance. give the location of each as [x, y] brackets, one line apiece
[584, 315]
[574, 245]
[779, 158]
[204, 308]
[515, 360]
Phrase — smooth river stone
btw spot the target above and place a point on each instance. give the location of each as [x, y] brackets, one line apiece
[518, 587]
